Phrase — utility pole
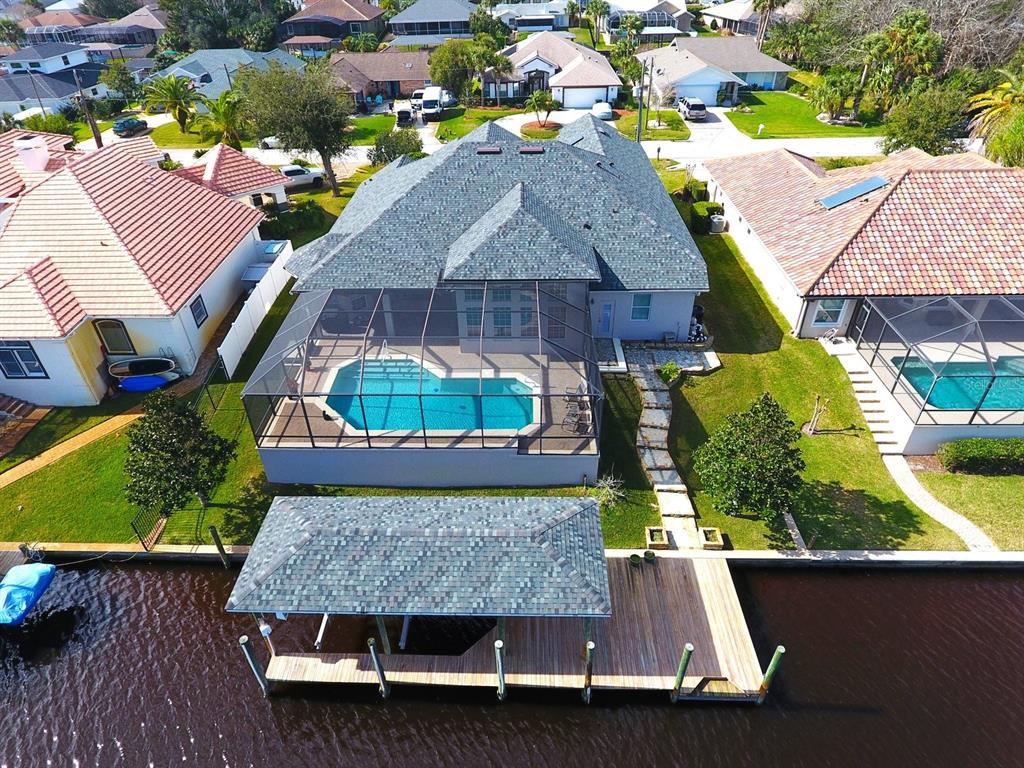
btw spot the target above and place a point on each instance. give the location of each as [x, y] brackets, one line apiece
[640, 104]
[35, 90]
[84, 104]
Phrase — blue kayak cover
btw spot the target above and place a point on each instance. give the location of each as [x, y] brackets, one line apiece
[21, 589]
[141, 383]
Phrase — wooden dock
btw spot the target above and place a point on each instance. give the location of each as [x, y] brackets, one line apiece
[8, 559]
[656, 609]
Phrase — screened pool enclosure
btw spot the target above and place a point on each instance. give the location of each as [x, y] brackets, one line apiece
[948, 360]
[509, 365]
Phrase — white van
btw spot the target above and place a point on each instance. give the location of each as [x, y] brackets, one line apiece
[433, 106]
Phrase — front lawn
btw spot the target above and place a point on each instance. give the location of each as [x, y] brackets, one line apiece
[673, 128]
[992, 502]
[585, 36]
[365, 130]
[787, 116]
[169, 137]
[851, 502]
[330, 205]
[83, 132]
[459, 121]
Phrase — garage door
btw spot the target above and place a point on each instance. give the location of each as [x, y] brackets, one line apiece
[582, 98]
[706, 93]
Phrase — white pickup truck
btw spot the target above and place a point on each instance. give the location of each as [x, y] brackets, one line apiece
[298, 176]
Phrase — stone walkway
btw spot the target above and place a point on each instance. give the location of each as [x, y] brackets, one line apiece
[975, 539]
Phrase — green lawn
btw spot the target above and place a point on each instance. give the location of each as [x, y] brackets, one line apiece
[585, 36]
[365, 130]
[83, 132]
[330, 205]
[539, 133]
[459, 121]
[990, 501]
[850, 502]
[675, 128]
[169, 137]
[787, 116]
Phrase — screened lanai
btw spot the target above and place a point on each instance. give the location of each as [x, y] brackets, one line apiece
[947, 360]
[491, 365]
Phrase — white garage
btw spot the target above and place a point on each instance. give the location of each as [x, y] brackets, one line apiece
[584, 98]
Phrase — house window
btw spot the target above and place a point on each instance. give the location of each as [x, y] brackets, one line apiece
[556, 323]
[527, 323]
[115, 337]
[641, 309]
[34, 65]
[828, 311]
[501, 295]
[355, 27]
[474, 295]
[94, 91]
[199, 313]
[473, 317]
[19, 361]
[16, 65]
[559, 290]
[503, 322]
[65, 60]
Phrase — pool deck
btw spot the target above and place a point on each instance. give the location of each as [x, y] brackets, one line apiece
[656, 609]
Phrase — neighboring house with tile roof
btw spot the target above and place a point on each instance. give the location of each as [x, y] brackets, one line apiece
[332, 21]
[238, 176]
[140, 262]
[480, 275]
[458, 556]
[57, 26]
[48, 75]
[140, 27]
[577, 76]
[430, 22]
[390, 73]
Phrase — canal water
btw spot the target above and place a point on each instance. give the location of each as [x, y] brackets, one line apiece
[139, 666]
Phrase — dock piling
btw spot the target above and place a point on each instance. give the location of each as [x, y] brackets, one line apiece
[684, 662]
[382, 630]
[215, 535]
[384, 686]
[254, 665]
[320, 634]
[769, 673]
[405, 632]
[499, 665]
[588, 674]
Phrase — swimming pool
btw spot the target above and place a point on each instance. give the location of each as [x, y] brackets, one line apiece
[390, 399]
[962, 385]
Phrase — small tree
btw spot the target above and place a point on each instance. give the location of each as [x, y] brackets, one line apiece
[752, 464]
[119, 80]
[631, 25]
[452, 65]
[10, 33]
[305, 109]
[929, 120]
[390, 146]
[173, 455]
[175, 94]
[541, 101]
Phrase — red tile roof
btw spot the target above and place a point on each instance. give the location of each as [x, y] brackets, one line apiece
[11, 180]
[345, 10]
[231, 172]
[56, 294]
[957, 232]
[778, 192]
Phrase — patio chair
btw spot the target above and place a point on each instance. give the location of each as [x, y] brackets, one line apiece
[576, 394]
[571, 420]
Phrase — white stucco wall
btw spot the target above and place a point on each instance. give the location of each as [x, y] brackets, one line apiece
[670, 313]
[66, 384]
[808, 330]
[583, 98]
[424, 467]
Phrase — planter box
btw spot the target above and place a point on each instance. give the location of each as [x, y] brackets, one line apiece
[711, 538]
[657, 537]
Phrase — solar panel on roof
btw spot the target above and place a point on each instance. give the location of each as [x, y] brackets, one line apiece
[850, 193]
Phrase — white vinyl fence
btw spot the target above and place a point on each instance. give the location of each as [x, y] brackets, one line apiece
[254, 310]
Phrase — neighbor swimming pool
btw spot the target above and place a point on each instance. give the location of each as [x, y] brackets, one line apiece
[962, 385]
[390, 400]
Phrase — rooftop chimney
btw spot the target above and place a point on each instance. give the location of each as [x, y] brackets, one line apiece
[33, 152]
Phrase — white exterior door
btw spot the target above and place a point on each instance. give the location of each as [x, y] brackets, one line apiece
[606, 319]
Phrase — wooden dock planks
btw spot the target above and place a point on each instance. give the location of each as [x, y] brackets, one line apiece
[657, 608]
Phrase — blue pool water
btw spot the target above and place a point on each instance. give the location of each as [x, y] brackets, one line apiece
[390, 399]
[962, 385]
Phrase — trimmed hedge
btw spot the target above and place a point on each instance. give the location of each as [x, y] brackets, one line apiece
[702, 213]
[983, 456]
[697, 190]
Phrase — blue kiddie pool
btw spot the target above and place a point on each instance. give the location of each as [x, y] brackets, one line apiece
[21, 589]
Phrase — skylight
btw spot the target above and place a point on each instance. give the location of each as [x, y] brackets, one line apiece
[851, 193]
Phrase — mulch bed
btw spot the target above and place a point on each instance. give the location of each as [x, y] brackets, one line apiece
[550, 125]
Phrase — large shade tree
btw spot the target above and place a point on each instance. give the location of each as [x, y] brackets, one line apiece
[307, 110]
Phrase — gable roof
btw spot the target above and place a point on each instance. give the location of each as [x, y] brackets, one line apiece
[25, 86]
[359, 69]
[734, 10]
[778, 193]
[59, 19]
[12, 180]
[230, 172]
[590, 186]
[41, 51]
[434, 10]
[147, 18]
[672, 65]
[219, 63]
[342, 10]
[736, 53]
[577, 65]
[937, 232]
[427, 555]
[132, 240]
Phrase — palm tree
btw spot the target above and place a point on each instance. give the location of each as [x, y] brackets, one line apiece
[597, 10]
[572, 10]
[766, 9]
[632, 25]
[501, 67]
[222, 120]
[10, 33]
[541, 101]
[174, 94]
[364, 42]
[994, 105]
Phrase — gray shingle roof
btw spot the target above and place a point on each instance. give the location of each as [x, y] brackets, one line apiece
[22, 86]
[427, 556]
[41, 51]
[737, 53]
[434, 10]
[219, 63]
[590, 186]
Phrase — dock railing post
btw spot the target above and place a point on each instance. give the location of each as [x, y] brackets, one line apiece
[385, 688]
[588, 674]
[499, 665]
[769, 673]
[254, 664]
[382, 630]
[220, 546]
[684, 662]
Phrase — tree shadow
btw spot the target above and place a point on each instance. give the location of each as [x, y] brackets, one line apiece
[242, 521]
[833, 517]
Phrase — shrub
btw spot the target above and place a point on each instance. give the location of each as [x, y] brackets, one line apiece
[390, 146]
[702, 213]
[167, 164]
[697, 190]
[55, 123]
[306, 214]
[669, 372]
[71, 111]
[983, 456]
[800, 89]
[103, 109]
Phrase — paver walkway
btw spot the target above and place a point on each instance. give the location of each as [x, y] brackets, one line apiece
[972, 535]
